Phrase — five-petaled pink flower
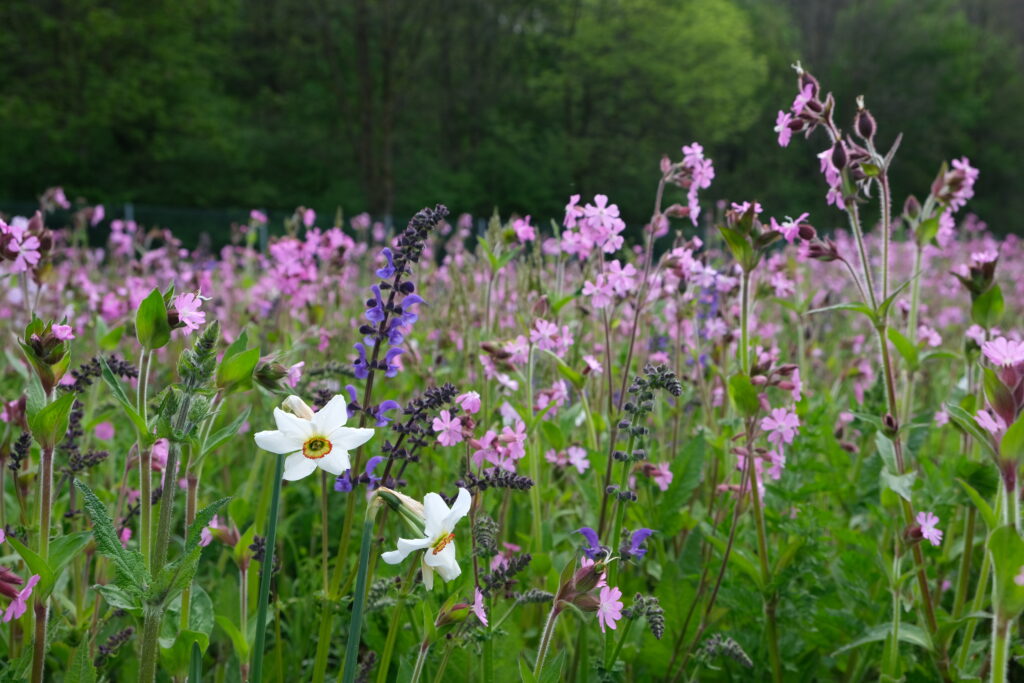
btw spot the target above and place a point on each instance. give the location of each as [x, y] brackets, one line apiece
[1003, 352]
[449, 429]
[187, 305]
[609, 607]
[929, 530]
[782, 426]
[469, 401]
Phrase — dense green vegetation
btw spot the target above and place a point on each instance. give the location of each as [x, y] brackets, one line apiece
[387, 106]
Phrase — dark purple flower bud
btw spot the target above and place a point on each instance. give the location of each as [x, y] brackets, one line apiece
[636, 541]
[911, 207]
[865, 124]
[839, 157]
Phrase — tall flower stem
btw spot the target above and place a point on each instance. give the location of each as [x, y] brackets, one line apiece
[1000, 649]
[266, 570]
[772, 631]
[41, 610]
[396, 613]
[358, 600]
[545, 639]
[421, 659]
[145, 464]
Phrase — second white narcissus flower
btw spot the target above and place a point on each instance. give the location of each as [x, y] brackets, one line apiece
[311, 439]
[438, 540]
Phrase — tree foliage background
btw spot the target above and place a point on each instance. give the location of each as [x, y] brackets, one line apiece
[389, 105]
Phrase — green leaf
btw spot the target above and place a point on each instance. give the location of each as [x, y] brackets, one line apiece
[744, 395]
[900, 484]
[110, 340]
[111, 380]
[962, 419]
[987, 307]
[80, 668]
[177, 658]
[131, 568]
[119, 598]
[999, 397]
[909, 633]
[858, 308]
[50, 424]
[238, 640]
[927, 230]
[981, 504]
[235, 372]
[36, 565]
[1007, 549]
[883, 308]
[225, 434]
[553, 435]
[1012, 446]
[152, 328]
[554, 667]
[740, 246]
[202, 520]
[906, 349]
[65, 549]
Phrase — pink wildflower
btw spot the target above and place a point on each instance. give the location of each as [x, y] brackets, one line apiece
[63, 332]
[104, 431]
[469, 401]
[1003, 352]
[187, 305]
[929, 528]
[782, 426]
[478, 606]
[449, 429]
[20, 603]
[609, 608]
[783, 129]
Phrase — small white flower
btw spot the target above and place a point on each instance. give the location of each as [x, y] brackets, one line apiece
[311, 439]
[438, 540]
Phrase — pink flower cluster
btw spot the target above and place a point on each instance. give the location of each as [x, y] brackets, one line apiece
[501, 450]
[593, 226]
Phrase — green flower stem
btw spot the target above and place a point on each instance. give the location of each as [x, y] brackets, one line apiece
[421, 659]
[891, 662]
[980, 593]
[545, 639]
[1000, 649]
[266, 569]
[358, 600]
[396, 613]
[145, 463]
[41, 611]
[610, 661]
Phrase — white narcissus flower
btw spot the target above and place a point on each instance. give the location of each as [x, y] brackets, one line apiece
[311, 439]
[438, 540]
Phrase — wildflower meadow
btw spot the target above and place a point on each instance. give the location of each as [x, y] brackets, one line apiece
[724, 445]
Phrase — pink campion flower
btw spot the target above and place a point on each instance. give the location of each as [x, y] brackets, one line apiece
[515, 440]
[519, 350]
[991, 423]
[782, 128]
[1003, 352]
[929, 336]
[478, 606]
[929, 528]
[572, 212]
[257, 216]
[662, 475]
[543, 334]
[778, 461]
[609, 608]
[805, 95]
[469, 401]
[502, 558]
[98, 213]
[783, 286]
[294, 375]
[577, 457]
[158, 455]
[941, 418]
[125, 536]
[947, 229]
[593, 365]
[782, 426]
[798, 385]
[205, 537]
[976, 333]
[308, 217]
[982, 257]
[600, 214]
[449, 429]
[790, 228]
[61, 199]
[743, 207]
[63, 332]
[24, 245]
[622, 279]
[693, 154]
[600, 292]
[966, 189]
[104, 431]
[524, 231]
[20, 603]
[187, 305]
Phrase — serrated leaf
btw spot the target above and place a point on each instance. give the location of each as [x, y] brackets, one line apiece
[130, 566]
[80, 668]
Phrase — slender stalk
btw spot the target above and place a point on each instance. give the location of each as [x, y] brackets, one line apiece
[358, 601]
[266, 569]
[745, 323]
[396, 613]
[421, 659]
[41, 610]
[766, 572]
[1000, 649]
[243, 614]
[545, 639]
